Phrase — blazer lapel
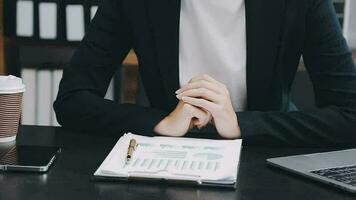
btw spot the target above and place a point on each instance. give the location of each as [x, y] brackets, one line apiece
[164, 18]
[264, 21]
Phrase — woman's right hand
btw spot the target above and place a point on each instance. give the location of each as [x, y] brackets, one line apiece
[183, 118]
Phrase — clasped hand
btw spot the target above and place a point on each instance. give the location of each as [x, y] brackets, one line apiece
[201, 101]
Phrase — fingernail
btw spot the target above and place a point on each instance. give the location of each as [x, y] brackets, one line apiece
[178, 91]
[178, 96]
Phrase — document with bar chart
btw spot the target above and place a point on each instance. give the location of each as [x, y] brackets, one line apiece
[198, 161]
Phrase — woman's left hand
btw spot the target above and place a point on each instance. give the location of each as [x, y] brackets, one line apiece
[209, 94]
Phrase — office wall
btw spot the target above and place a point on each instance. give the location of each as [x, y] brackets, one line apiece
[350, 23]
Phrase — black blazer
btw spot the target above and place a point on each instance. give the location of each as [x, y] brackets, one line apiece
[279, 32]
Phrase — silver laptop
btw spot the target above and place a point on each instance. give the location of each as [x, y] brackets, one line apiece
[337, 168]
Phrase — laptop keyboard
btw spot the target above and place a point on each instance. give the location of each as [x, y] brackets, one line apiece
[345, 175]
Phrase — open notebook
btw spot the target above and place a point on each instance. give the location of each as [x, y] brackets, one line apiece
[200, 161]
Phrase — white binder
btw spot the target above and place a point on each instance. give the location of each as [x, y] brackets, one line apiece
[93, 10]
[24, 18]
[44, 100]
[48, 20]
[110, 92]
[350, 23]
[75, 22]
[56, 78]
[29, 97]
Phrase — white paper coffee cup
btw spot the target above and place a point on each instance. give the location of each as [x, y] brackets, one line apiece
[11, 90]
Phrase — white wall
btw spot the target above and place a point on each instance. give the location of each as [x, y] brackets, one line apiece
[350, 23]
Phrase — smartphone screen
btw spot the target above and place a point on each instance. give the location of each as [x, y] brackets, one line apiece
[29, 156]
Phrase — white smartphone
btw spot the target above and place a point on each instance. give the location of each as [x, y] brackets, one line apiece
[29, 158]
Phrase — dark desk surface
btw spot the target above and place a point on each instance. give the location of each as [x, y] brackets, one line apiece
[70, 177]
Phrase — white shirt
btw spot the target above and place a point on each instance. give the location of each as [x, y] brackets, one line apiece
[213, 41]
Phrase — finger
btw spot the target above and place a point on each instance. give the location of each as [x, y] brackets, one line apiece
[199, 116]
[201, 84]
[201, 92]
[222, 87]
[191, 125]
[201, 103]
[197, 123]
[208, 118]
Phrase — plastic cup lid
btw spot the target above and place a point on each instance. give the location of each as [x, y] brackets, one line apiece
[11, 84]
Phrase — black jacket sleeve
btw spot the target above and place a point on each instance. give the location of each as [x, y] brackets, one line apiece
[80, 105]
[333, 73]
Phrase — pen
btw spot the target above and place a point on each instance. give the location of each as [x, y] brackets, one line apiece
[131, 149]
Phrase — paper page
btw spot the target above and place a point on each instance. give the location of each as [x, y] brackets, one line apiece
[114, 161]
[24, 18]
[195, 159]
[75, 22]
[48, 20]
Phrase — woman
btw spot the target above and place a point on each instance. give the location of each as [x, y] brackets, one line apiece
[230, 63]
